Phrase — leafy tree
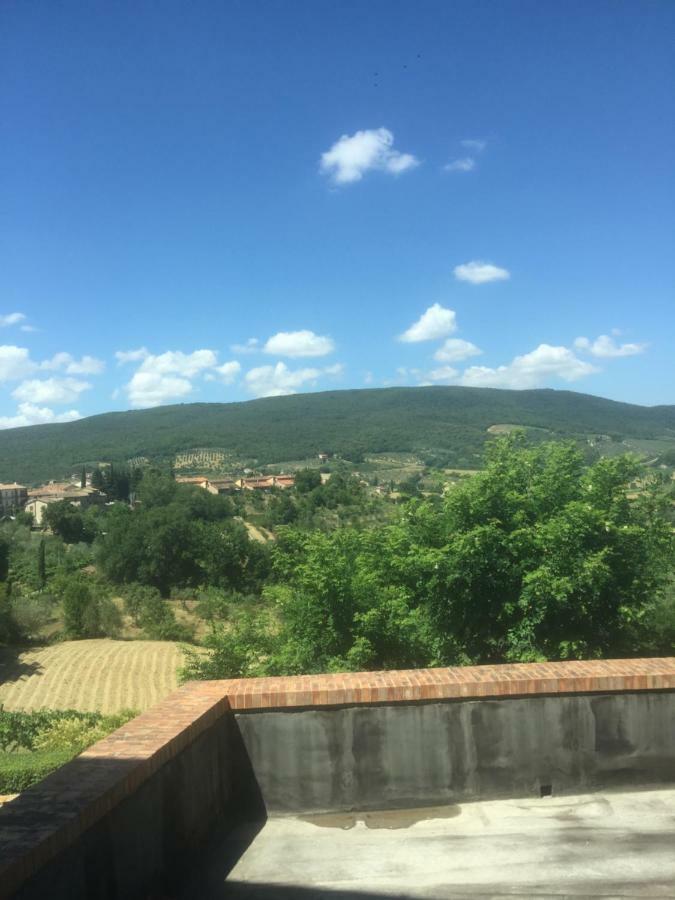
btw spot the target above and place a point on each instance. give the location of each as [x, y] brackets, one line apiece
[78, 610]
[83, 478]
[306, 480]
[67, 522]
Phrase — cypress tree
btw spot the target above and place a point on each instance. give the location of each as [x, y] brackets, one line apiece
[41, 564]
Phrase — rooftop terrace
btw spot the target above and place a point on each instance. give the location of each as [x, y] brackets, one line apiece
[491, 781]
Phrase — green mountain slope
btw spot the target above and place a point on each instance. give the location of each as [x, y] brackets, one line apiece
[297, 426]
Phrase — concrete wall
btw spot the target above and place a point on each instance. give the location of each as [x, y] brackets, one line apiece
[372, 757]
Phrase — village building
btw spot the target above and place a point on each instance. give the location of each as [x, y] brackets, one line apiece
[12, 497]
[40, 497]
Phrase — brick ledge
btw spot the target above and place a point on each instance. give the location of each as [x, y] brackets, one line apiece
[455, 683]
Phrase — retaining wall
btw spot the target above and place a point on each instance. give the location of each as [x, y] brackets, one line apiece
[128, 818]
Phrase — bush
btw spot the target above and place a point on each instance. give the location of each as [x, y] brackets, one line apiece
[19, 771]
[32, 613]
[33, 744]
[154, 615]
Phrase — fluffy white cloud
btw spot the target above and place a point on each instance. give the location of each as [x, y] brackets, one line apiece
[152, 388]
[479, 272]
[353, 155]
[28, 414]
[15, 363]
[127, 356]
[531, 370]
[274, 381]
[455, 350]
[299, 343]
[465, 164]
[14, 318]
[605, 347]
[50, 390]
[179, 363]
[436, 322]
[226, 373]
[88, 365]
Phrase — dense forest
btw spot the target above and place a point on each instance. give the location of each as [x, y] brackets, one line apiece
[450, 419]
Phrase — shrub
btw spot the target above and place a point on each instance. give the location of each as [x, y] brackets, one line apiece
[19, 771]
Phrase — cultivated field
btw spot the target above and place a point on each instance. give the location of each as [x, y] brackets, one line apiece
[93, 675]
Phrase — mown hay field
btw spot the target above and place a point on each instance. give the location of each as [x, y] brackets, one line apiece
[92, 675]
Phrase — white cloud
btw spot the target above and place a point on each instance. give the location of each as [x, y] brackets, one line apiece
[531, 370]
[299, 343]
[50, 390]
[14, 318]
[88, 365]
[127, 356]
[153, 388]
[15, 363]
[478, 272]
[605, 347]
[436, 322]
[455, 350]
[228, 372]
[465, 164]
[252, 345]
[353, 155]
[179, 363]
[443, 373]
[28, 328]
[274, 381]
[28, 414]
[474, 144]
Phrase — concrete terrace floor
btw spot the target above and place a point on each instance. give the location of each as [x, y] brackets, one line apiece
[596, 845]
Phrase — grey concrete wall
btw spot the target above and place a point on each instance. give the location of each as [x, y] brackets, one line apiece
[374, 757]
[147, 844]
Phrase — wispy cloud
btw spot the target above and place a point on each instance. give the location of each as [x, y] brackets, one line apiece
[14, 318]
[479, 272]
[476, 145]
[465, 164]
[252, 345]
[352, 156]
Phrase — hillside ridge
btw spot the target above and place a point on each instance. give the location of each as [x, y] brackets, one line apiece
[276, 429]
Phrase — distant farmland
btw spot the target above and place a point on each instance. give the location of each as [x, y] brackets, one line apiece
[91, 675]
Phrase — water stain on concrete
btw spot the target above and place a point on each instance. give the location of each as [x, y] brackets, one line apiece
[382, 818]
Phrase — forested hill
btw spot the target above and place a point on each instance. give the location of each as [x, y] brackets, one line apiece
[276, 429]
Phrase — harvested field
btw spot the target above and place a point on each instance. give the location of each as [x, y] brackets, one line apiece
[94, 675]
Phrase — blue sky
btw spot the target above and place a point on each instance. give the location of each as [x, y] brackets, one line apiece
[223, 200]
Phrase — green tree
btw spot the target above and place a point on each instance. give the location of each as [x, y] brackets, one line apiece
[41, 564]
[67, 522]
[307, 480]
[78, 610]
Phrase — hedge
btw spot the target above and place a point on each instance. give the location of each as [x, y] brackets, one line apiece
[19, 771]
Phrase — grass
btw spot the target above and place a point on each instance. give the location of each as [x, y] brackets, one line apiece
[91, 676]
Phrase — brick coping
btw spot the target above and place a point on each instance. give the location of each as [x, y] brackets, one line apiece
[455, 683]
[84, 790]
